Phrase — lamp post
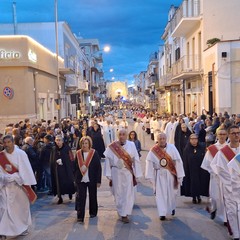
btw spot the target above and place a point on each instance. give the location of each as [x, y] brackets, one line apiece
[105, 49]
[57, 55]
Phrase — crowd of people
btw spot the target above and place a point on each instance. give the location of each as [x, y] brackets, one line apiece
[194, 155]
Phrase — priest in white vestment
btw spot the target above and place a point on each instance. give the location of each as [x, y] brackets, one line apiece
[234, 169]
[220, 166]
[140, 130]
[217, 206]
[15, 216]
[121, 178]
[108, 133]
[170, 130]
[162, 179]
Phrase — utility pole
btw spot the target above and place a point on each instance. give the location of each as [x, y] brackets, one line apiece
[57, 64]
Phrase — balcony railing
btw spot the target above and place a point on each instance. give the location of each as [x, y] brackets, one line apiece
[83, 85]
[187, 65]
[189, 10]
[153, 57]
[165, 80]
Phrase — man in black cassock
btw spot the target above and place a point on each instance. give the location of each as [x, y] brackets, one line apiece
[196, 180]
[62, 170]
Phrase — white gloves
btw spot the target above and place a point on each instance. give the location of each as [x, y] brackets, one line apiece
[8, 178]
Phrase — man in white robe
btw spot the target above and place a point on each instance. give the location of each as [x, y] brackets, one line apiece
[120, 177]
[215, 186]
[220, 167]
[234, 169]
[116, 128]
[124, 123]
[156, 128]
[170, 130]
[162, 179]
[108, 133]
[139, 129]
[15, 216]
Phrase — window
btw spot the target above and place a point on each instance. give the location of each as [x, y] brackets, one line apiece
[177, 54]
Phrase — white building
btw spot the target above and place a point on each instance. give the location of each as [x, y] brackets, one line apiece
[184, 72]
[75, 61]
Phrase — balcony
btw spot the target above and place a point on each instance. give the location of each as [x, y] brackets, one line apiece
[71, 82]
[187, 67]
[83, 86]
[186, 18]
[153, 58]
[152, 79]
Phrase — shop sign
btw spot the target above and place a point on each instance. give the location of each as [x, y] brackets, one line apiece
[32, 56]
[9, 55]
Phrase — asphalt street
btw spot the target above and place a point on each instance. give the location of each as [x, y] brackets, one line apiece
[58, 222]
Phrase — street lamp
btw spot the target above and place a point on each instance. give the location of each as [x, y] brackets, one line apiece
[91, 102]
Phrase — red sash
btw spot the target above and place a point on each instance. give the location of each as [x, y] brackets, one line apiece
[228, 153]
[121, 153]
[165, 161]
[213, 150]
[84, 165]
[9, 168]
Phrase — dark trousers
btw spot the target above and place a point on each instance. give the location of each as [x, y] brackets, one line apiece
[81, 197]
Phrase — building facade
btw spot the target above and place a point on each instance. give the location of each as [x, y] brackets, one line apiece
[28, 81]
[76, 63]
[186, 61]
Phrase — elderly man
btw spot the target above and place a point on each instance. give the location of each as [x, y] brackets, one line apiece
[122, 167]
[220, 165]
[215, 186]
[164, 168]
[16, 178]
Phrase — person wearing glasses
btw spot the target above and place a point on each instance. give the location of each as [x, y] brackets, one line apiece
[216, 203]
[224, 168]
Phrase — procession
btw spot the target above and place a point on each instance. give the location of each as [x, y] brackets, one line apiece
[68, 161]
[119, 120]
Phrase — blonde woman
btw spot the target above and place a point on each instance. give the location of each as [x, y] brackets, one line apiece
[87, 172]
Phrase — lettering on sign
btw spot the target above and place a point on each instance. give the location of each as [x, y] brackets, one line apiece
[32, 56]
[8, 55]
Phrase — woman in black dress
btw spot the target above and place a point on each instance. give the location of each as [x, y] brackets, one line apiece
[196, 180]
[97, 139]
[88, 173]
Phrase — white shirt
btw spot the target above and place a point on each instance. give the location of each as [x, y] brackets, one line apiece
[85, 177]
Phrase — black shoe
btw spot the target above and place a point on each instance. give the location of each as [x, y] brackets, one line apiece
[60, 200]
[199, 200]
[93, 215]
[213, 214]
[194, 201]
[70, 196]
[173, 212]
[162, 218]
[80, 220]
[125, 219]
